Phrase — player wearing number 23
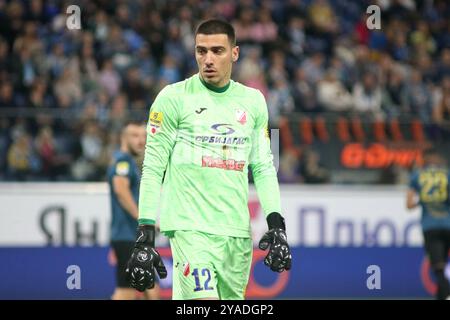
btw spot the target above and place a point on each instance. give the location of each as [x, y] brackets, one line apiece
[429, 189]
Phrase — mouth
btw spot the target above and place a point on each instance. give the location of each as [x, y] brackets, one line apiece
[209, 72]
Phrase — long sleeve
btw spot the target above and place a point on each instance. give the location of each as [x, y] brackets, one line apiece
[161, 136]
[261, 163]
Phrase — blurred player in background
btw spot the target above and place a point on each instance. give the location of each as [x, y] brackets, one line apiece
[429, 188]
[206, 131]
[123, 179]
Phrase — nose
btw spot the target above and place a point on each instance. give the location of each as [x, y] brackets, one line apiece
[209, 59]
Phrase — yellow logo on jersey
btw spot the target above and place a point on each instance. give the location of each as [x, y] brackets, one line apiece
[156, 118]
[122, 168]
[266, 131]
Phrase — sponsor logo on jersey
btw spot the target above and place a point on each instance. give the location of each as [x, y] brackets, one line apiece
[122, 168]
[156, 118]
[241, 116]
[222, 128]
[221, 140]
[155, 121]
[200, 110]
[222, 131]
[229, 164]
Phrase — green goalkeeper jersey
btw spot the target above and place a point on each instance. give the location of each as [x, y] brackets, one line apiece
[201, 141]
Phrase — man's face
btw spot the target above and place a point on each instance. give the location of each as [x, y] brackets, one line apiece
[134, 138]
[215, 57]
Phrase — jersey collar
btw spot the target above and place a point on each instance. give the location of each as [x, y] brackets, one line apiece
[214, 88]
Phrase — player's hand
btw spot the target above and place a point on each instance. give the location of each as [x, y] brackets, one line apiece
[279, 257]
[144, 260]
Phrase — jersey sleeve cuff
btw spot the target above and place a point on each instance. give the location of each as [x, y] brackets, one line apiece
[143, 221]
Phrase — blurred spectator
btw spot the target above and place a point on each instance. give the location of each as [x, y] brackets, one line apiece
[377, 40]
[13, 22]
[109, 78]
[88, 67]
[399, 47]
[68, 86]
[277, 68]
[155, 30]
[280, 102]
[441, 111]
[39, 96]
[116, 47]
[57, 60]
[7, 96]
[422, 38]
[134, 88]
[5, 58]
[332, 95]
[187, 28]
[250, 72]
[314, 67]
[173, 45]
[312, 170]
[244, 25]
[4, 145]
[322, 16]
[296, 36]
[289, 168]
[22, 161]
[361, 32]
[392, 94]
[119, 113]
[444, 64]
[24, 69]
[367, 95]
[168, 73]
[325, 26]
[264, 30]
[416, 97]
[304, 93]
[52, 163]
[424, 64]
[147, 67]
[93, 160]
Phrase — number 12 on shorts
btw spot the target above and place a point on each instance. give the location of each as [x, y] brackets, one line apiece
[205, 273]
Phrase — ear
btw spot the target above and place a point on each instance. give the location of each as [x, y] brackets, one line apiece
[235, 53]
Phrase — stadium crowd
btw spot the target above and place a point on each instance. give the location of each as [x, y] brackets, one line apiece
[64, 94]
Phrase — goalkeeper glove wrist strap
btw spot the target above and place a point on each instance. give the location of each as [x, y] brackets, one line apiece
[275, 221]
[146, 235]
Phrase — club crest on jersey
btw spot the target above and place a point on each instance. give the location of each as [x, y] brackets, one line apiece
[186, 269]
[241, 116]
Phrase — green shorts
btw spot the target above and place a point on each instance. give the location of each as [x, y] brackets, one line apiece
[209, 266]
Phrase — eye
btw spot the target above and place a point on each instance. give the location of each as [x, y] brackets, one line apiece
[218, 50]
[201, 51]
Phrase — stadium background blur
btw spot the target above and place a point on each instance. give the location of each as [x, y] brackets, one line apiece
[353, 106]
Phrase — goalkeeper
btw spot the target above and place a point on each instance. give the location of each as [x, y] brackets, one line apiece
[204, 133]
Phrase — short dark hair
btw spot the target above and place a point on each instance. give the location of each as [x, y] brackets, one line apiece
[217, 26]
[132, 122]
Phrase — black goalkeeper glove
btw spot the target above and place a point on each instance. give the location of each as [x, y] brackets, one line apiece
[144, 260]
[279, 257]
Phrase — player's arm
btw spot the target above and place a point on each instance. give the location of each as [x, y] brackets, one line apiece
[266, 183]
[162, 130]
[121, 187]
[412, 200]
[161, 136]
